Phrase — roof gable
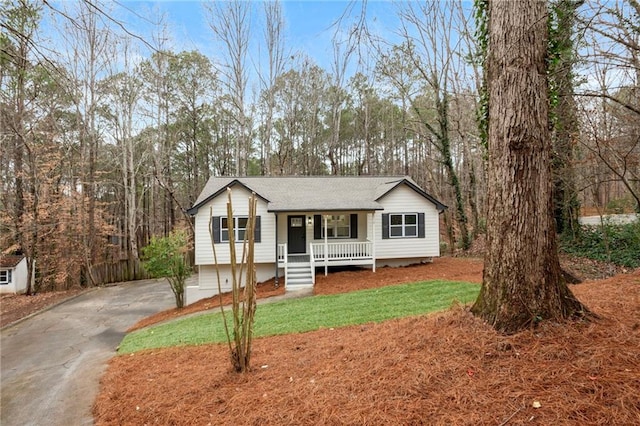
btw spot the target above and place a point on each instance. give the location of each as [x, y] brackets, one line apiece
[313, 193]
[215, 187]
[411, 184]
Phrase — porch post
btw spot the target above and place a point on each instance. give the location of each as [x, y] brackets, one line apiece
[372, 234]
[277, 260]
[326, 247]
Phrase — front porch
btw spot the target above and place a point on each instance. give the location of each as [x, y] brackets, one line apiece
[300, 268]
[308, 240]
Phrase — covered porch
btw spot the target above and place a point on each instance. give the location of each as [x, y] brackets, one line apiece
[315, 240]
[331, 254]
[300, 269]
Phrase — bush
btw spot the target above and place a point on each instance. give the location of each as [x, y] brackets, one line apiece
[165, 257]
[619, 244]
[621, 205]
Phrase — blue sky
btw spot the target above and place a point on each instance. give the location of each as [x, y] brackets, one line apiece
[308, 23]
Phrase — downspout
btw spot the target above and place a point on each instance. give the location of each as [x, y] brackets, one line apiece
[277, 284]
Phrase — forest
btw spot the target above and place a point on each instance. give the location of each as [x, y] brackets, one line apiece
[108, 136]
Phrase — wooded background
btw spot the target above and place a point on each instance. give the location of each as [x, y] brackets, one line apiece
[108, 137]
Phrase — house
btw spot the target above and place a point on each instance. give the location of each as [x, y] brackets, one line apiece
[305, 223]
[13, 274]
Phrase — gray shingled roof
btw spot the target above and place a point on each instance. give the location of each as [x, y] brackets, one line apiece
[313, 193]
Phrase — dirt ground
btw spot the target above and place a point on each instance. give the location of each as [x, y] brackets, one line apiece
[446, 368]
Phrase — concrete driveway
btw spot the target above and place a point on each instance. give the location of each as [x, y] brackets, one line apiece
[52, 362]
[614, 219]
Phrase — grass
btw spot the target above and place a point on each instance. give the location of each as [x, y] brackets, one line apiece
[311, 313]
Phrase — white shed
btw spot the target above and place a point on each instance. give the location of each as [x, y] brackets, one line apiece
[13, 274]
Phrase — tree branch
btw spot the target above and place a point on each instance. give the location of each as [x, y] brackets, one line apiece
[611, 98]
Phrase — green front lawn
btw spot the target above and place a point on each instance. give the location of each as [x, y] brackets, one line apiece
[311, 313]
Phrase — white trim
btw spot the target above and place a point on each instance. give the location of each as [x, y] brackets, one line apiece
[403, 226]
[8, 276]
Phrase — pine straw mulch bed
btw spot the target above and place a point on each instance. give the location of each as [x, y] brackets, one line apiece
[446, 368]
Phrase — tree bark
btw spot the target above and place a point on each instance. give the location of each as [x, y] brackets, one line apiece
[522, 281]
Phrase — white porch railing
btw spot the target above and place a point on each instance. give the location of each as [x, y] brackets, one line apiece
[282, 253]
[313, 264]
[335, 253]
[342, 251]
[282, 259]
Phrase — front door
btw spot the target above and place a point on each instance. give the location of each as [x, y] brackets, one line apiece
[296, 235]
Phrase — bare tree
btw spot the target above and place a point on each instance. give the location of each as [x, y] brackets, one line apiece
[87, 58]
[277, 60]
[121, 98]
[609, 100]
[427, 29]
[231, 23]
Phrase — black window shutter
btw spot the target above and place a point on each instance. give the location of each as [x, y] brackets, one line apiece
[385, 226]
[420, 225]
[317, 227]
[354, 225]
[215, 223]
[256, 231]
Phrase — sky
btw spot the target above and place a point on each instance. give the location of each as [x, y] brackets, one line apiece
[308, 24]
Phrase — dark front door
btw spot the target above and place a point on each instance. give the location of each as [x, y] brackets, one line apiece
[296, 234]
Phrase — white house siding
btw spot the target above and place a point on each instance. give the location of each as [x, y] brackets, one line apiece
[19, 279]
[405, 200]
[208, 280]
[264, 250]
[282, 227]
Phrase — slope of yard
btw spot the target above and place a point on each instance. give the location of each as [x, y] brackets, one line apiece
[311, 313]
[446, 368]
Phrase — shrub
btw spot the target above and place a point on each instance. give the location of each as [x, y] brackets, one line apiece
[619, 244]
[165, 258]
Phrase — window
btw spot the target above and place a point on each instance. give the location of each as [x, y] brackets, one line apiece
[239, 226]
[220, 228]
[5, 277]
[338, 226]
[403, 225]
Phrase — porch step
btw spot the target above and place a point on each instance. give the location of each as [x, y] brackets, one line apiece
[299, 276]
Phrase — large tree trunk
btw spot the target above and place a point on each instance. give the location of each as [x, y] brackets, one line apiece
[522, 281]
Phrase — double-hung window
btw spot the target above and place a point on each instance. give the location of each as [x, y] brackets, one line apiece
[221, 227]
[404, 225]
[5, 277]
[338, 226]
[239, 227]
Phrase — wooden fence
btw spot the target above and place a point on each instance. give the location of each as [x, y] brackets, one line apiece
[114, 272]
[123, 270]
